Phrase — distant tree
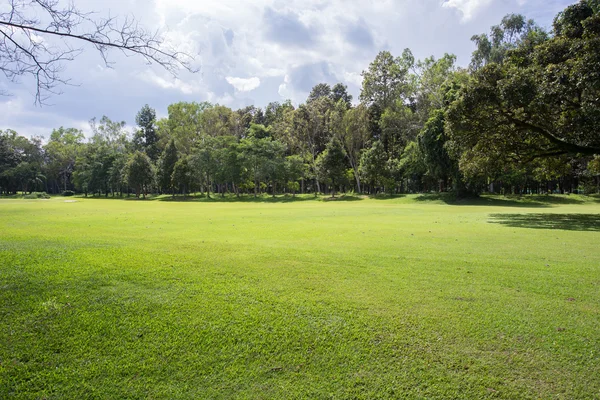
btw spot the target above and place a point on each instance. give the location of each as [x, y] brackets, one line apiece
[203, 161]
[354, 137]
[259, 131]
[146, 120]
[319, 91]
[432, 143]
[259, 117]
[140, 173]
[373, 164]
[294, 171]
[185, 124]
[218, 121]
[22, 169]
[512, 32]
[166, 166]
[332, 164]
[183, 176]
[62, 151]
[386, 79]
[340, 92]
[311, 125]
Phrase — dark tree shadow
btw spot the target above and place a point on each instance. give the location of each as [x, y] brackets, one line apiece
[567, 222]
[234, 199]
[386, 196]
[343, 197]
[451, 199]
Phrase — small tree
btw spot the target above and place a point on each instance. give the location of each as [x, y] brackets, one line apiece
[140, 173]
[182, 175]
[331, 163]
[294, 171]
[167, 165]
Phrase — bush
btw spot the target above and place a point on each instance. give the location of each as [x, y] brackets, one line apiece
[36, 195]
[68, 193]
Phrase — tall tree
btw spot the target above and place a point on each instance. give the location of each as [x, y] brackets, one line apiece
[340, 92]
[166, 166]
[140, 173]
[62, 150]
[146, 120]
[332, 163]
[542, 101]
[513, 31]
[354, 136]
[386, 79]
[319, 91]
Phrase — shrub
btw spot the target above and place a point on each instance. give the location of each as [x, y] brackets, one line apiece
[36, 195]
[68, 193]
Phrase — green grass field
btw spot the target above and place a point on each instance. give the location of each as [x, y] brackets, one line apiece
[409, 297]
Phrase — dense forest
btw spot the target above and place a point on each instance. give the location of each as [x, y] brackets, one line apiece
[522, 118]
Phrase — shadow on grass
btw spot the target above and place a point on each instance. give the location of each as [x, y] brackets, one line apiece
[235, 199]
[567, 222]
[343, 197]
[526, 201]
[385, 196]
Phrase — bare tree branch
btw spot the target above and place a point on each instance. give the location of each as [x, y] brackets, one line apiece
[28, 50]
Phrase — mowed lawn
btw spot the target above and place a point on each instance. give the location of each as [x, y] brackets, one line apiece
[399, 298]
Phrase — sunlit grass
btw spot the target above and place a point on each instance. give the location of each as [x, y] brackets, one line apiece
[409, 297]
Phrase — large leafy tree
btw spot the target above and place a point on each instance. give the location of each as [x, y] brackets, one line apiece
[373, 164]
[513, 31]
[432, 143]
[62, 150]
[332, 163]
[319, 91]
[339, 92]
[386, 79]
[354, 137]
[542, 101]
[140, 173]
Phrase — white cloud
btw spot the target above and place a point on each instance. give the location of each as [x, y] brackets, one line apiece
[468, 8]
[284, 91]
[171, 84]
[28, 122]
[242, 84]
[246, 58]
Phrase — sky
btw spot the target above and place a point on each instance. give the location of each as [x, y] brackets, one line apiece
[254, 52]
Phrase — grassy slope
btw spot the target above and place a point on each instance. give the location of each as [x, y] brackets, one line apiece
[309, 299]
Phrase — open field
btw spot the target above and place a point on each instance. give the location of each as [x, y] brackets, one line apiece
[399, 298]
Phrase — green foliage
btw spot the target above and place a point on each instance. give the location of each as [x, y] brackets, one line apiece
[432, 143]
[167, 165]
[319, 91]
[373, 164]
[331, 164]
[146, 120]
[68, 193]
[386, 80]
[513, 31]
[542, 101]
[183, 175]
[36, 195]
[140, 173]
[339, 92]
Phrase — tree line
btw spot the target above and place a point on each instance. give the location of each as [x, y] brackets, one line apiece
[522, 118]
